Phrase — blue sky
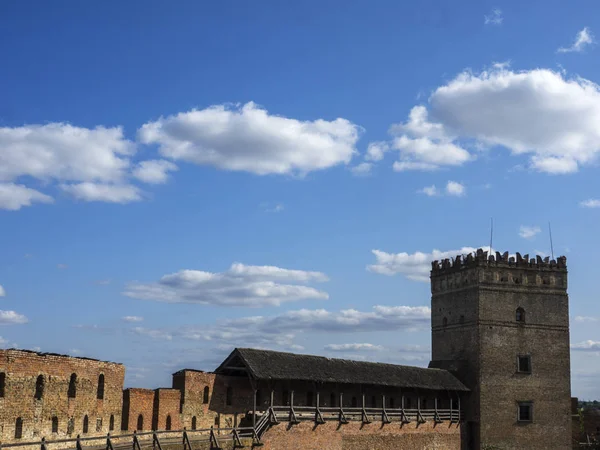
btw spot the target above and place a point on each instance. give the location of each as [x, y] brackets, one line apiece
[178, 180]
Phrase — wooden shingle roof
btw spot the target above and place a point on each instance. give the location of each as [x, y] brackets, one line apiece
[272, 365]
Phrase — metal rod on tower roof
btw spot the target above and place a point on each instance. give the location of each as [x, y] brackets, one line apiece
[551, 244]
[491, 233]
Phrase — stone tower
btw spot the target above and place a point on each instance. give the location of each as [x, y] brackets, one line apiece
[502, 324]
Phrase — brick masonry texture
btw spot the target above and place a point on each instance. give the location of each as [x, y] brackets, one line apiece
[474, 321]
[22, 370]
[354, 436]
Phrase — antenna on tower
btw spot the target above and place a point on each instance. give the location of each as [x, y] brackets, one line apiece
[551, 244]
[491, 233]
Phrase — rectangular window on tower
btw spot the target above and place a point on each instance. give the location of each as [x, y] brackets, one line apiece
[524, 364]
[525, 412]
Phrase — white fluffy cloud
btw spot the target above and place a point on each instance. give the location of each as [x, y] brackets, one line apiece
[282, 329]
[2, 291]
[494, 18]
[154, 171]
[90, 164]
[586, 319]
[64, 152]
[362, 169]
[415, 266]
[587, 346]
[133, 319]
[538, 113]
[430, 191]
[590, 203]
[529, 232]
[98, 192]
[353, 347]
[153, 334]
[248, 138]
[582, 40]
[14, 196]
[241, 285]
[11, 317]
[455, 189]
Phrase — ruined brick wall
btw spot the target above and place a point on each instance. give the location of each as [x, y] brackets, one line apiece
[194, 408]
[26, 372]
[138, 403]
[474, 307]
[356, 436]
[166, 414]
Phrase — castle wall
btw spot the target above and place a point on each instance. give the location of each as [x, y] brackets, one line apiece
[166, 414]
[137, 402]
[22, 370]
[356, 436]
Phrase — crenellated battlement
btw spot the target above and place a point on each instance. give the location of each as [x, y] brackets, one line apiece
[479, 268]
[480, 258]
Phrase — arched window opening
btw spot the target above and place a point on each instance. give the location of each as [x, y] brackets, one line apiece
[72, 393]
[86, 424]
[100, 393]
[19, 428]
[168, 424]
[140, 423]
[445, 322]
[520, 315]
[309, 398]
[332, 399]
[111, 423]
[354, 402]
[194, 423]
[2, 384]
[205, 395]
[55, 424]
[39, 387]
[229, 396]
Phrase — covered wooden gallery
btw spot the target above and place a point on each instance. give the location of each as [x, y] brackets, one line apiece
[292, 385]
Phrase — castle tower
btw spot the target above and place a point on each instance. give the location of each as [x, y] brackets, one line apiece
[502, 324]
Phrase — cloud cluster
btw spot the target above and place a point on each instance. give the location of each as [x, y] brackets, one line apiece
[590, 203]
[527, 232]
[281, 330]
[241, 285]
[453, 188]
[133, 319]
[248, 138]
[587, 346]
[495, 18]
[353, 347]
[2, 291]
[583, 39]
[98, 164]
[12, 318]
[536, 113]
[415, 266]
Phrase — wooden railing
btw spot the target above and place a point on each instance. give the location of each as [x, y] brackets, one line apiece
[155, 439]
[321, 414]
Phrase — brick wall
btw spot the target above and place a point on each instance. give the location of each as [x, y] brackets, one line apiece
[138, 402]
[166, 409]
[50, 375]
[356, 436]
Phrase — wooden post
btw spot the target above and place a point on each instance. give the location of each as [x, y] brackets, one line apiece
[272, 397]
[254, 410]
[451, 402]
